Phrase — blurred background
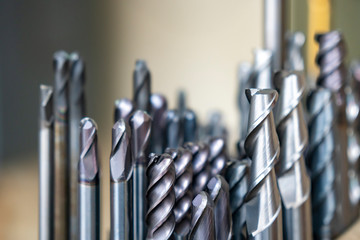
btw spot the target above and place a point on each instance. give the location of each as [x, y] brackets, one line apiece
[191, 45]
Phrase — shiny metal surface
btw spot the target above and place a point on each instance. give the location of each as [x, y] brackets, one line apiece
[121, 170]
[218, 156]
[190, 126]
[158, 113]
[218, 190]
[124, 107]
[160, 194]
[88, 182]
[173, 129]
[142, 86]
[201, 166]
[46, 164]
[202, 218]
[61, 149]
[294, 53]
[263, 202]
[262, 72]
[293, 180]
[140, 124]
[183, 190]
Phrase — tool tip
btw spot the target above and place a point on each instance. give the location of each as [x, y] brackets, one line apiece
[141, 65]
[123, 109]
[46, 103]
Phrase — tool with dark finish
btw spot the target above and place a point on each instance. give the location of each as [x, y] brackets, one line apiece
[262, 72]
[202, 218]
[218, 190]
[46, 164]
[173, 131]
[183, 190]
[218, 156]
[89, 186]
[215, 127]
[142, 86]
[189, 126]
[140, 123]
[161, 197]
[124, 107]
[158, 113]
[263, 202]
[293, 180]
[61, 66]
[121, 170]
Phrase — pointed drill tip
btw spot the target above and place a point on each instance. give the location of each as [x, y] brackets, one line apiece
[140, 119]
[118, 130]
[46, 103]
[141, 65]
[78, 70]
[214, 186]
[123, 108]
[87, 124]
[201, 200]
[158, 101]
[60, 60]
[297, 38]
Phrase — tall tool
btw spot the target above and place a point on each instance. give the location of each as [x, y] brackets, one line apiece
[294, 54]
[89, 187]
[161, 197]
[173, 131]
[262, 72]
[189, 123]
[142, 86]
[219, 193]
[183, 190]
[203, 218]
[263, 203]
[140, 123]
[77, 112]
[121, 170]
[124, 107]
[218, 156]
[293, 180]
[46, 164]
[158, 113]
[61, 149]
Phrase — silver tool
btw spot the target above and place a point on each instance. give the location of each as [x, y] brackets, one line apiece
[262, 72]
[158, 113]
[189, 126]
[124, 107]
[294, 53]
[142, 86]
[173, 131]
[215, 127]
[89, 187]
[218, 156]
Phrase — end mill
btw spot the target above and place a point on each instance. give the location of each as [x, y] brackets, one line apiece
[261, 76]
[142, 86]
[173, 131]
[158, 113]
[294, 55]
[124, 107]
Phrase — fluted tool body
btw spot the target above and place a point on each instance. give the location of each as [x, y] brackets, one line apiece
[121, 171]
[263, 202]
[330, 59]
[218, 190]
[261, 76]
[322, 164]
[61, 149]
[189, 122]
[201, 167]
[293, 180]
[218, 156]
[202, 218]
[294, 53]
[173, 129]
[124, 107]
[46, 164]
[237, 175]
[161, 197]
[88, 182]
[142, 86]
[140, 124]
[158, 113]
[183, 190]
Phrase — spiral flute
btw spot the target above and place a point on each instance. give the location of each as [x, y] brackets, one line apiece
[293, 181]
[142, 86]
[263, 202]
[161, 197]
[124, 107]
[218, 156]
[158, 113]
[201, 167]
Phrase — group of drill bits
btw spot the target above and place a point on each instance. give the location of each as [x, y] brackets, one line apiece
[296, 174]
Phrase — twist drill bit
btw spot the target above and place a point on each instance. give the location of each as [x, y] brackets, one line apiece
[189, 126]
[333, 72]
[61, 150]
[219, 193]
[183, 192]
[173, 136]
[158, 113]
[161, 197]
[236, 175]
[140, 124]
[321, 161]
[263, 203]
[218, 156]
[121, 170]
[261, 76]
[201, 168]
[77, 112]
[46, 164]
[124, 107]
[142, 86]
[294, 55]
[202, 218]
[293, 181]
[89, 188]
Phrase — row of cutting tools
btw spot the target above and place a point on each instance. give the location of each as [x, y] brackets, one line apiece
[295, 177]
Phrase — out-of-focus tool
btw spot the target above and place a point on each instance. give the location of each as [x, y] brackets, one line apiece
[262, 72]
[218, 156]
[124, 107]
[173, 131]
[294, 53]
[142, 86]
[189, 123]
[158, 113]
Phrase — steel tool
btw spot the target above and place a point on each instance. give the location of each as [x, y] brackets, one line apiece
[189, 126]
[262, 72]
[173, 131]
[158, 113]
[142, 86]
[218, 156]
[294, 53]
[124, 107]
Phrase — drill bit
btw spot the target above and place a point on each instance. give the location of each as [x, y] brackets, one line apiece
[215, 126]
[202, 219]
[261, 76]
[219, 192]
[88, 186]
[236, 175]
[161, 197]
[218, 156]
[293, 180]
[189, 126]
[181, 101]
[121, 170]
[183, 190]
[46, 164]
[77, 112]
[158, 113]
[173, 136]
[294, 55]
[124, 107]
[263, 203]
[321, 161]
[61, 148]
[200, 161]
[140, 124]
[142, 86]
